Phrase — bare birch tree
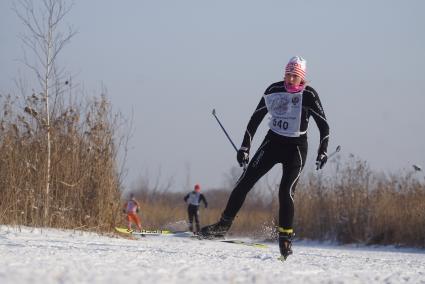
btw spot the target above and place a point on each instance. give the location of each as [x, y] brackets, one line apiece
[45, 39]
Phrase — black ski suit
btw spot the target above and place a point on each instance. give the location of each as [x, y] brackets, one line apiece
[194, 200]
[285, 143]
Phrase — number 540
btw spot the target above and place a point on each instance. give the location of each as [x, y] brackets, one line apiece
[281, 124]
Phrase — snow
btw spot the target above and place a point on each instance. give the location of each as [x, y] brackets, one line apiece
[31, 255]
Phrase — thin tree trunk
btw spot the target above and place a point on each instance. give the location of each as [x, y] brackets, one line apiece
[46, 93]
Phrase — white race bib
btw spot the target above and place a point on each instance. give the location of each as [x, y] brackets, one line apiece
[285, 110]
[194, 198]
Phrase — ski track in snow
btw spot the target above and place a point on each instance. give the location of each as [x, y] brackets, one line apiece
[31, 255]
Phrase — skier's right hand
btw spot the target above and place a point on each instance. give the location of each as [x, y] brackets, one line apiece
[243, 156]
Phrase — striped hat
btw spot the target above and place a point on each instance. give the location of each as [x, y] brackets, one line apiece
[297, 65]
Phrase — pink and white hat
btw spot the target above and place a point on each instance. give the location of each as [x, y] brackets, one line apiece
[297, 65]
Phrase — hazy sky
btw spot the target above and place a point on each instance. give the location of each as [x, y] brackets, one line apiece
[172, 62]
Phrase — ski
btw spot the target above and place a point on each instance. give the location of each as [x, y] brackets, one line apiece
[245, 243]
[231, 241]
[190, 235]
[143, 232]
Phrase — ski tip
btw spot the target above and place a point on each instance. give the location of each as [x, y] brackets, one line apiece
[123, 230]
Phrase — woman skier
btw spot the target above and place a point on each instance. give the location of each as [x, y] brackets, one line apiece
[290, 104]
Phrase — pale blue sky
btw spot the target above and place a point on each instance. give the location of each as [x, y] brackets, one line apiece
[172, 62]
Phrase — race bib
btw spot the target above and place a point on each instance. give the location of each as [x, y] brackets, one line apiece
[285, 110]
[194, 198]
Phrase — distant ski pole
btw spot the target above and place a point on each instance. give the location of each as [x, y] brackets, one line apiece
[227, 135]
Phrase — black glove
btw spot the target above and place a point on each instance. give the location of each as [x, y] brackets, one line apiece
[123, 211]
[243, 156]
[321, 160]
[137, 210]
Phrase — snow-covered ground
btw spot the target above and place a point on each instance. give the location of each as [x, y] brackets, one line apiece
[30, 255]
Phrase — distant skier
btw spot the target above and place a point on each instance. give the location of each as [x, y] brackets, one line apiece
[131, 208]
[290, 104]
[193, 199]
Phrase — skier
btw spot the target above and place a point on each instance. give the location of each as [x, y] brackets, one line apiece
[193, 199]
[290, 104]
[131, 208]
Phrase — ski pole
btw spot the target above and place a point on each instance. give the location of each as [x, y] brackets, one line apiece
[227, 135]
[338, 148]
[224, 130]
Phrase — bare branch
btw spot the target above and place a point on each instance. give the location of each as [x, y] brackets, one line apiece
[33, 46]
[27, 7]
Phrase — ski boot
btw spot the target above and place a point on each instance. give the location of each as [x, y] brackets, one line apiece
[285, 242]
[217, 230]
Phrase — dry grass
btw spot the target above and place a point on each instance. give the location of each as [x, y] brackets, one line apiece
[353, 205]
[85, 185]
[357, 205]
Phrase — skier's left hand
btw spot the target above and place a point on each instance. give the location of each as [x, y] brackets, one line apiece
[321, 160]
